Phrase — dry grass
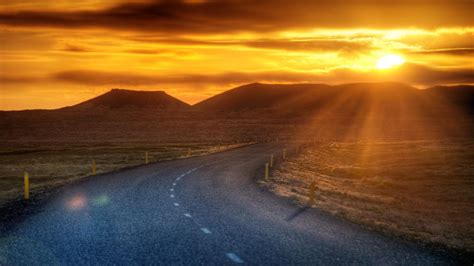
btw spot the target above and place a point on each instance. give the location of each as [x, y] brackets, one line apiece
[51, 165]
[423, 189]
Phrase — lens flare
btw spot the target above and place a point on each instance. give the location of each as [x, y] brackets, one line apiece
[101, 200]
[77, 203]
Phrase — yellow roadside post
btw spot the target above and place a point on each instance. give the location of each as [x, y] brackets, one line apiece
[146, 157]
[94, 167]
[266, 172]
[312, 194]
[26, 178]
[271, 160]
[284, 154]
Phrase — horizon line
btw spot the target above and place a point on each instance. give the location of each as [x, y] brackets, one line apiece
[246, 84]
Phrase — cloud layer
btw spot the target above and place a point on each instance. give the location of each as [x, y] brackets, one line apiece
[192, 17]
[58, 52]
[409, 73]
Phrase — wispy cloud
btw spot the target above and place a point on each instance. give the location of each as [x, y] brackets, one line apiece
[410, 73]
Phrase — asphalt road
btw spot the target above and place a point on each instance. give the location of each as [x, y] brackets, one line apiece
[202, 210]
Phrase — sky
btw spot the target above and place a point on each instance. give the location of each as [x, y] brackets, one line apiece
[55, 53]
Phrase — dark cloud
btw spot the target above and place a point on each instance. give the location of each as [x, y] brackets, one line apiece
[294, 44]
[159, 52]
[75, 48]
[246, 15]
[311, 45]
[144, 51]
[114, 78]
[104, 78]
[409, 73]
[451, 51]
[16, 79]
[12, 40]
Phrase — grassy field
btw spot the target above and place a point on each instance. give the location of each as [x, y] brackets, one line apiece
[419, 189]
[51, 165]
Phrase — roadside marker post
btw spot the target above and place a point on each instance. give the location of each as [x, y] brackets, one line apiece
[271, 161]
[189, 152]
[312, 194]
[146, 157]
[94, 167]
[26, 178]
[266, 172]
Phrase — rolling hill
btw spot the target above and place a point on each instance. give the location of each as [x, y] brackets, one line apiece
[346, 98]
[263, 111]
[266, 96]
[121, 98]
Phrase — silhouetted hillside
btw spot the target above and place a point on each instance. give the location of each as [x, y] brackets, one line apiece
[256, 111]
[302, 98]
[265, 96]
[460, 95]
[347, 99]
[120, 98]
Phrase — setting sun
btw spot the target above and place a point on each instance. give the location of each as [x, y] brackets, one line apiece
[389, 61]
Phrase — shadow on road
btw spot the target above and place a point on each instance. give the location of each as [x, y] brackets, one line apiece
[296, 213]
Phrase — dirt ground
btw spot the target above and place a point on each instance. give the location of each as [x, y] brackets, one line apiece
[423, 190]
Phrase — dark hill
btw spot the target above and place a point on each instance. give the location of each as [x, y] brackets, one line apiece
[265, 96]
[461, 96]
[308, 111]
[303, 97]
[120, 98]
[386, 101]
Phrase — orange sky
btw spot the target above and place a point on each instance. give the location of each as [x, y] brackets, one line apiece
[58, 52]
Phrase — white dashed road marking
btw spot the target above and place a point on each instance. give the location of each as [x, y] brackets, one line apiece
[234, 258]
[205, 230]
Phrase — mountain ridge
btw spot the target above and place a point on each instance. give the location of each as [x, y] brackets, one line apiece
[307, 97]
[263, 96]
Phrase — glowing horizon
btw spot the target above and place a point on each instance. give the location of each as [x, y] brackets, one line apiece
[55, 53]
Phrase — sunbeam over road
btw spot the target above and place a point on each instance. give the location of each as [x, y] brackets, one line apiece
[200, 210]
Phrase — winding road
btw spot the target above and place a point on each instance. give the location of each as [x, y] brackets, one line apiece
[200, 210]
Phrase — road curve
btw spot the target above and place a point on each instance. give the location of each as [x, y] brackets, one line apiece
[201, 210]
